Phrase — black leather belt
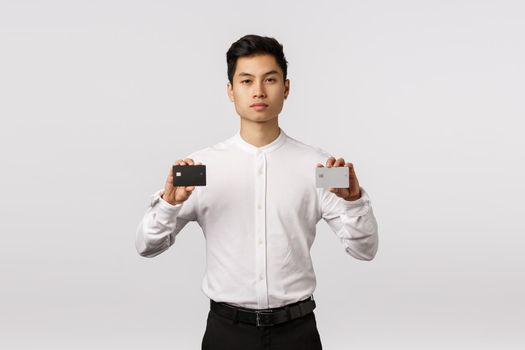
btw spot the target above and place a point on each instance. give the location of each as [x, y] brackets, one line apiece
[264, 317]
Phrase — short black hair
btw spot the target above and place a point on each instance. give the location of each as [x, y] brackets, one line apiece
[251, 45]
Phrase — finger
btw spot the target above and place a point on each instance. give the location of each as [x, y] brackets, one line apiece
[189, 161]
[339, 162]
[189, 188]
[319, 165]
[334, 190]
[198, 163]
[330, 162]
[354, 183]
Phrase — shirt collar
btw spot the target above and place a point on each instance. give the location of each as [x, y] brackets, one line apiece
[248, 147]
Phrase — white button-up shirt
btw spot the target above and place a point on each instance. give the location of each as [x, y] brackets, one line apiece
[258, 213]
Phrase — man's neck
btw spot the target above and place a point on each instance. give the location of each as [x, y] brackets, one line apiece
[260, 134]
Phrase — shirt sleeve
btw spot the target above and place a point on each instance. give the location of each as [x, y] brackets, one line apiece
[162, 222]
[353, 222]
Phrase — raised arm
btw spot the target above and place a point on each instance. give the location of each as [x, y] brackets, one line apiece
[169, 211]
[349, 214]
[353, 222]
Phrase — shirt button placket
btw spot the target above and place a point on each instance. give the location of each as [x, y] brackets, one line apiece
[260, 230]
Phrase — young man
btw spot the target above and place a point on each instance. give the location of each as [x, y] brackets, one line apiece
[258, 212]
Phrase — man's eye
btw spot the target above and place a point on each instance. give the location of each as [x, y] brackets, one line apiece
[245, 81]
[271, 79]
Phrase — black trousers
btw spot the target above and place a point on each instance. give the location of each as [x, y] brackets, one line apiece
[225, 334]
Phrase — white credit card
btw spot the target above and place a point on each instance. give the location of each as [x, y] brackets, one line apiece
[334, 177]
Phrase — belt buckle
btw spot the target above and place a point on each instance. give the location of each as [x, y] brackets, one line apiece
[258, 319]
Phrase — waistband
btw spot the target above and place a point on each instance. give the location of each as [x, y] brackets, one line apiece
[264, 317]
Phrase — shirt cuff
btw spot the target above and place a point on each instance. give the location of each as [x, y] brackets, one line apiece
[165, 211]
[359, 206]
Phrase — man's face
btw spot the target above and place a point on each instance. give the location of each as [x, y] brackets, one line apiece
[258, 79]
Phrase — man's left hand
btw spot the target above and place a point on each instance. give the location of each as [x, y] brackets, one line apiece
[353, 192]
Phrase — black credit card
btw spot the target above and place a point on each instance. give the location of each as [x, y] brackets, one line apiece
[189, 175]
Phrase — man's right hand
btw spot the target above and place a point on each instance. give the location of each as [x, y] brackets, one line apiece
[177, 194]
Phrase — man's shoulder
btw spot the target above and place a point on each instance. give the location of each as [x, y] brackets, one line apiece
[210, 151]
[308, 150]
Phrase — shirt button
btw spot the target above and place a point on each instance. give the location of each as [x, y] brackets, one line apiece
[260, 172]
[259, 206]
[260, 242]
[261, 277]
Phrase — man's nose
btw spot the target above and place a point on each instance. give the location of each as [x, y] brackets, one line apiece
[259, 90]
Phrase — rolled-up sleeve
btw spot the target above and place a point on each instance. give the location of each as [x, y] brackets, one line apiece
[353, 222]
[162, 222]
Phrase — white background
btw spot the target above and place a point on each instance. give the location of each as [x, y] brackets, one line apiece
[98, 98]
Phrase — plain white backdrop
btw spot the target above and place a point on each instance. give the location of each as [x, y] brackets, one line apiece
[98, 98]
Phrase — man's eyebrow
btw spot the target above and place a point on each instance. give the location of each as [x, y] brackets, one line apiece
[242, 74]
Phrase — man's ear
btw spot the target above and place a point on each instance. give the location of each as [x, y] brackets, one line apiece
[229, 90]
[286, 88]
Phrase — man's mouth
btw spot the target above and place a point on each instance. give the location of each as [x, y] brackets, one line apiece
[259, 106]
